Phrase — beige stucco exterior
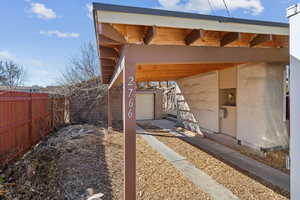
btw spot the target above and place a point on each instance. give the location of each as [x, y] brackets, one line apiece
[257, 120]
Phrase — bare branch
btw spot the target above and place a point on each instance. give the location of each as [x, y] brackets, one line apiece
[11, 74]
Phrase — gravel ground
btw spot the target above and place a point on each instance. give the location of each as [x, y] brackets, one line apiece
[239, 183]
[79, 161]
[156, 177]
[275, 159]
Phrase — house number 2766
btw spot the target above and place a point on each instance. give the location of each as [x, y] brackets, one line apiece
[130, 96]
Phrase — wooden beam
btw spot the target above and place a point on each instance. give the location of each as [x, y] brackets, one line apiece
[108, 53]
[107, 62]
[110, 32]
[230, 38]
[260, 39]
[105, 41]
[152, 54]
[149, 36]
[129, 127]
[194, 36]
[118, 70]
[107, 71]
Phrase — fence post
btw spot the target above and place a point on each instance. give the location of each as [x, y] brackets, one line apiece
[52, 112]
[30, 118]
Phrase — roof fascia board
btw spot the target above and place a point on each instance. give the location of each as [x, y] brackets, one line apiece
[188, 23]
[151, 11]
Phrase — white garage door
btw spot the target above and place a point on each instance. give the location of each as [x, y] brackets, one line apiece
[144, 106]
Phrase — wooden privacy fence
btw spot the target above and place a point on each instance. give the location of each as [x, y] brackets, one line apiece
[25, 118]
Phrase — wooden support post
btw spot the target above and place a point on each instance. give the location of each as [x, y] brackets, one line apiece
[52, 112]
[129, 127]
[30, 118]
[109, 111]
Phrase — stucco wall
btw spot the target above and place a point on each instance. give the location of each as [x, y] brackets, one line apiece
[260, 105]
[202, 100]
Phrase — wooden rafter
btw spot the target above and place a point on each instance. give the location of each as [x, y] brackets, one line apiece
[105, 41]
[108, 53]
[260, 39]
[150, 34]
[137, 34]
[110, 32]
[107, 62]
[193, 36]
[229, 38]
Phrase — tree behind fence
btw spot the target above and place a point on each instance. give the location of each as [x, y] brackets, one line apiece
[26, 118]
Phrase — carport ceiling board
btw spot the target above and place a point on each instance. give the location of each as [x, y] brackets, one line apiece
[167, 72]
[120, 25]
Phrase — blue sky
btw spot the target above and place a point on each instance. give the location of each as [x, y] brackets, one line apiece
[42, 35]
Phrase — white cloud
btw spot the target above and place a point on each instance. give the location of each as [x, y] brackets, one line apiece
[60, 34]
[42, 11]
[6, 55]
[255, 7]
[89, 9]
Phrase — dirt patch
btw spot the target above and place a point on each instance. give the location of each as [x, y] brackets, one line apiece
[69, 164]
[79, 161]
[239, 183]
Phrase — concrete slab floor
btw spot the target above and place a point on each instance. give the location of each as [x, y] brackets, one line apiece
[255, 168]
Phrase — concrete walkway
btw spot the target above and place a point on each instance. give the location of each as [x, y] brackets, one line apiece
[196, 176]
[258, 169]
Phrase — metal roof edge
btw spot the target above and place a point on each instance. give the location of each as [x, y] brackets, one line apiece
[151, 11]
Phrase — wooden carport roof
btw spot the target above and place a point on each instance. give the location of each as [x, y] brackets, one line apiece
[119, 26]
[138, 44]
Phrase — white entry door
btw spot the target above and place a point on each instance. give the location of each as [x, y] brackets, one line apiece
[144, 106]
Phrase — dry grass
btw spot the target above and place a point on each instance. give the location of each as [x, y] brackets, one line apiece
[239, 183]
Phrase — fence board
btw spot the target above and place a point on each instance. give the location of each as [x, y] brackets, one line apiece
[26, 118]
